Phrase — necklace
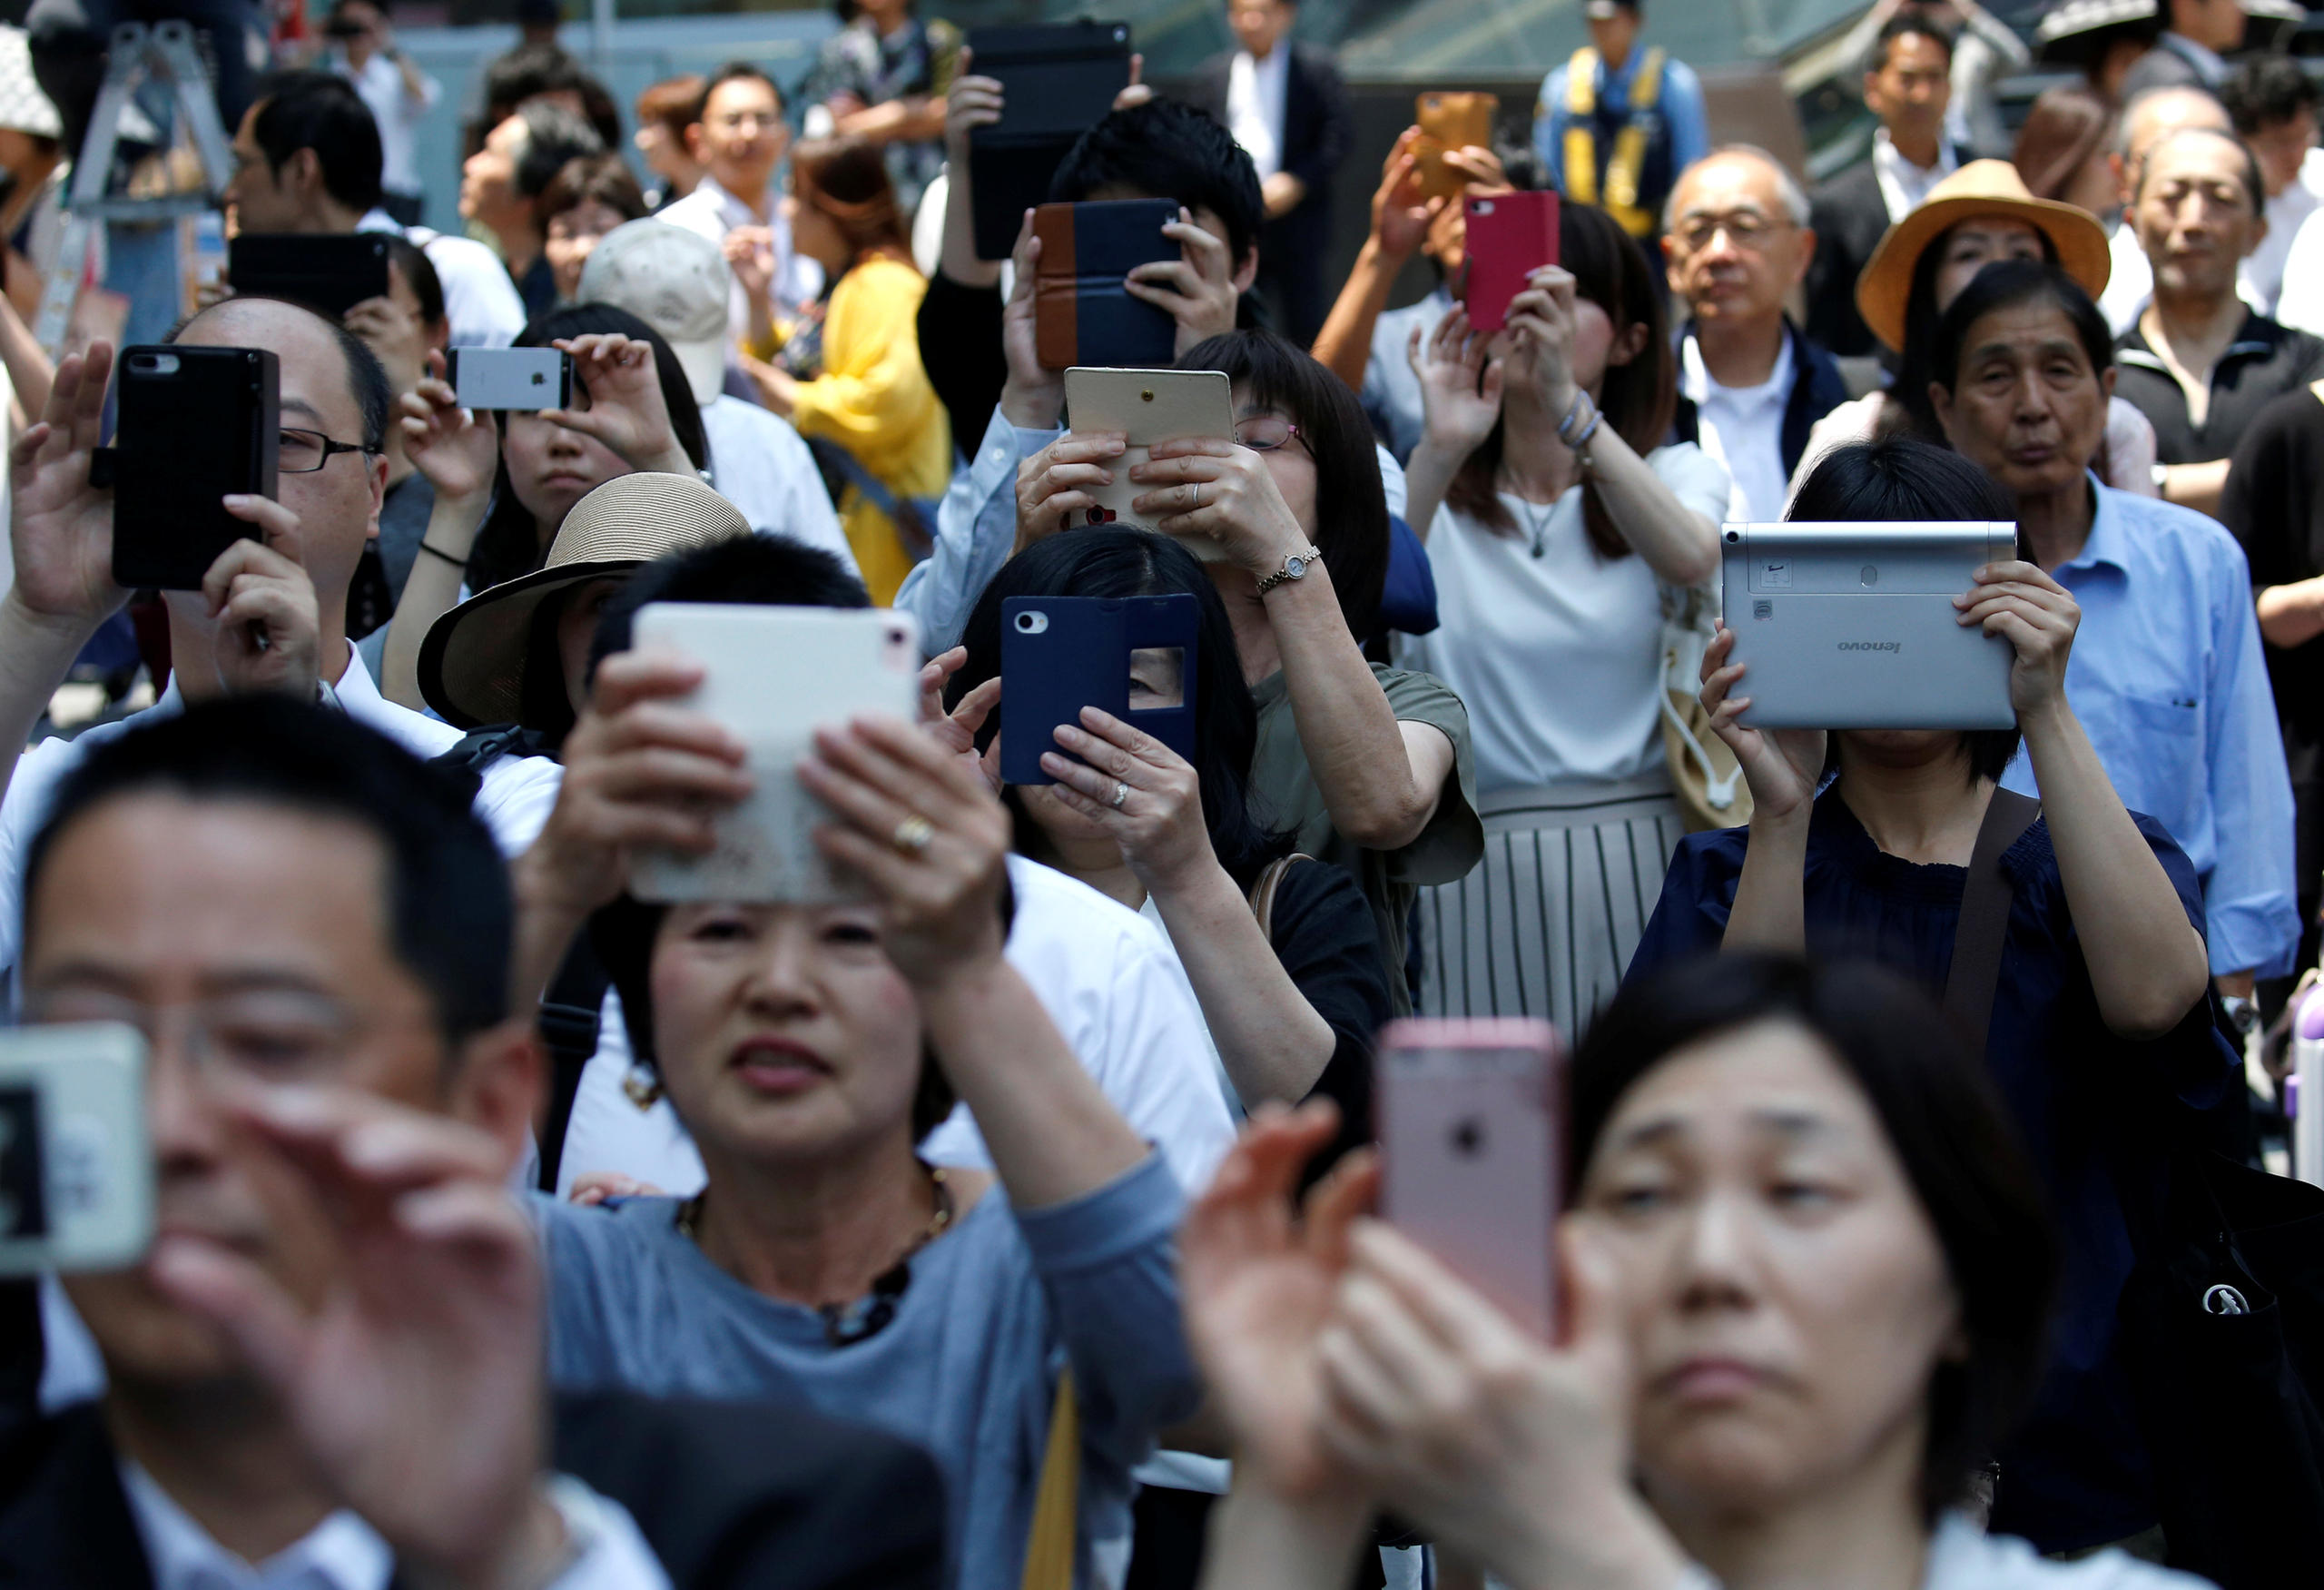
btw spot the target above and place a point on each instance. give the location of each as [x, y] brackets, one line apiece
[1538, 528]
[845, 1324]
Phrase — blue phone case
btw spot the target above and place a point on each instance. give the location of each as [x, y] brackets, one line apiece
[1062, 654]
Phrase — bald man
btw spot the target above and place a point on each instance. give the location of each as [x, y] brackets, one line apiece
[2148, 117]
[1751, 385]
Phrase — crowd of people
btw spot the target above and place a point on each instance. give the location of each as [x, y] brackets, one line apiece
[1012, 1222]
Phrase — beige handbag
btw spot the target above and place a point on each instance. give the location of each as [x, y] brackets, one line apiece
[1705, 778]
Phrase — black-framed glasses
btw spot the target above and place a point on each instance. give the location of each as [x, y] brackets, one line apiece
[1264, 433]
[302, 452]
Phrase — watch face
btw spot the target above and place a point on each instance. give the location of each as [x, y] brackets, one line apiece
[1295, 567]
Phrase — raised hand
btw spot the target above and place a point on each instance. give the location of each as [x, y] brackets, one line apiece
[1212, 486]
[1032, 397]
[454, 451]
[1541, 327]
[1400, 214]
[621, 402]
[957, 730]
[60, 528]
[972, 103]
[1782, 767]
[2034, 613]
[750, 252]
[1460, 386]
[1197, 288]
[1158, 823]
[1056, 482]
[259, 597]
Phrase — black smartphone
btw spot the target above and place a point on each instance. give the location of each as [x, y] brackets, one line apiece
[330, 274]
[1057, 82]
[195, 424]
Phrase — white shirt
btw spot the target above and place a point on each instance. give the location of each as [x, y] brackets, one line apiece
[1510, 620]
[2301, 303]
[1963, 1558]
[344, 1553]
[381, 86]
[2130, 283]
[479, 299]
[1904, 184]
[711, 211]
[1256, 91]
[1108, 979]
[2261, 274]
[1742, 428]
[760, 464]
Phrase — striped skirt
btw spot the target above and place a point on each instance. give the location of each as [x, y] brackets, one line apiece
[1545, 924]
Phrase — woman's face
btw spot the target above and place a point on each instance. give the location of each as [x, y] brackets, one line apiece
[1973, 244]
[1784, 1294]
[1156, 680]
[550, 467]
[577, 627]
[783, 1032]
[1593, 343]
[1292, 464]
[812, 232]
[571, 235]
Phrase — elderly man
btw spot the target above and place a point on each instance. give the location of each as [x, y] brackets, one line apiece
[2153, 116]
[1750, 384]
[501, 183]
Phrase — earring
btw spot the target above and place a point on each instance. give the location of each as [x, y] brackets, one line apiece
[642, 1086]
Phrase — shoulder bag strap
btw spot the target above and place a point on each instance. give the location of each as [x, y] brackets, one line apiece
[1048, 1545]
[1985, 915]
[571, 1009]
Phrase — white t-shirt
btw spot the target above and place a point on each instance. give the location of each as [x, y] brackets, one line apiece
[711, 211]
[479, 299]
[381, 86]
[760, 465]
[1108, 979]
[1963, 1558]
[1557, 656]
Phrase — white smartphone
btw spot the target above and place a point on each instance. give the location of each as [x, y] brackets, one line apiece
[1148, 406]
[76, 1159]
[510, 378]
[772, 676]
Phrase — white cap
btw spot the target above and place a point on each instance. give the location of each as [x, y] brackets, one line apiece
[677, 283]
[24, 108]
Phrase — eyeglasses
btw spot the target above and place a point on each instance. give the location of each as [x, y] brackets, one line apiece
[275, 1036]
[302, 452]
[1748, 228]
[1265, 432]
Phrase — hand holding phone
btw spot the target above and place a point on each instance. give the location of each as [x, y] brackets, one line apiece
[1131, 657]
[1146, 407]
[197, 425]
[1448, 122]
[1083, 310]
[510, 379]
[1509, 237]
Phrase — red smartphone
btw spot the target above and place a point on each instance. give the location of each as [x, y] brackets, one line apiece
[1510, 236]
[1472, 1135]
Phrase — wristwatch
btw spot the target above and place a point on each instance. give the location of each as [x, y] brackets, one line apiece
[1295, 567]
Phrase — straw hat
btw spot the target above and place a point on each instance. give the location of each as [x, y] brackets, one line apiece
[472, 664]
[1981, 187]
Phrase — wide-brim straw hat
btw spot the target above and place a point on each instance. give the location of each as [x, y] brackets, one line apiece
[472, 664]
[1981, 187]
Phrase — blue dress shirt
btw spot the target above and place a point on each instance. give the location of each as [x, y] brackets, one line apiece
[2167, 677]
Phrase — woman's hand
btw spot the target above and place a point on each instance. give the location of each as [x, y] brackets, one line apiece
[939, 886]
[1197, 289]
[1208, 486]
[1783, 766]
[972, 103]
[1400, 216]
[594, 1186]
[1055, 483]
[2034, 613]
[454, 451]
[957, 730]
[1158, 821]
[624, 408]
[1459, 387]
[1033, 396]
[1258, 1286]
[1541, 327]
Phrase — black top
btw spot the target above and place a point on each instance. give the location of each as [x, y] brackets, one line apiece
[2265, 362]
[959, 347]
[2274, 504]
[1323, 935]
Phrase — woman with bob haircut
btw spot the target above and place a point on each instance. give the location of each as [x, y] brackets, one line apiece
[2101, 1016]
[1365, 766]
[1804, 1274]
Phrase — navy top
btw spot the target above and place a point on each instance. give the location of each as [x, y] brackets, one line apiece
[2077, 1474]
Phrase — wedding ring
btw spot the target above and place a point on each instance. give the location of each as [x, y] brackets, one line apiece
[912, 835]
[1121, 793]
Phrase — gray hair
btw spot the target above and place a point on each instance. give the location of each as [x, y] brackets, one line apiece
[1788, 193]
[2147, 97]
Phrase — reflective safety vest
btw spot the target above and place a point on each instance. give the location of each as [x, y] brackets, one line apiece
[1634, 181]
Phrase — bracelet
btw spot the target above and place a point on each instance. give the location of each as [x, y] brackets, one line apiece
[439, 552]
[1572, 418]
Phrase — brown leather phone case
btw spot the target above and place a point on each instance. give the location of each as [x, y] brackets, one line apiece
[1449, 121]
[1082, 315]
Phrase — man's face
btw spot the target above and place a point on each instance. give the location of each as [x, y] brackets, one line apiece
[2216, 24]
[1911, 89]
[488, 179]
[1260, 25]
[258, 198]
[1612, 36]
[362, 22]
[2027, 407]
[1734, 249]
[252, 942]
[2281, 146]
[741, 136]
[2195, 217]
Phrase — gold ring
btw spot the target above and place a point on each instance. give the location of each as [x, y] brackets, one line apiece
[912, 835]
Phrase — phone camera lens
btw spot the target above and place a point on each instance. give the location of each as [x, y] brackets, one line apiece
[1469, 1139]
[1025, 622]
[1734, 536]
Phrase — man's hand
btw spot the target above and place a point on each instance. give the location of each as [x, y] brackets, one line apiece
[262, 606]
[750, 252]
[1032, 398]
[60, 528]
[1197, 288]
[972, 102]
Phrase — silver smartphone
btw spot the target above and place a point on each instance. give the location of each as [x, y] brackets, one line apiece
[76, 1159]
[1846, 625]
[510, 378]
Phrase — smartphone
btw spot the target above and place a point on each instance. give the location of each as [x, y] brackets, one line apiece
[1057, 82]
[76, 1160]
[1449, 121]
[1148, 406]
[1062, 654]
[1083, 310]
[510, 378]
[1471, 1117]
[330, 274]
[772, 676]
[1510, 236]
[193, 424]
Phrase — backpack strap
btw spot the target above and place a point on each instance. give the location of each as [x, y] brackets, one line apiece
[1983, 928]
[570, 1013]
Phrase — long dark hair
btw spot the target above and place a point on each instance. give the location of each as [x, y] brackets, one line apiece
[509, 543]
[1907, 411]
[1941, 1113]
[846, 179]
[1637, 399]
[1133, 563]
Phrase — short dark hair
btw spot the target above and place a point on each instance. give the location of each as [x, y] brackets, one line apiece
[1351, 504]
[1942, 1115]
[2266, 90]
[1170, 150]
[419, 273]
[447, 909]
[734, 71]
[367, 380]
[321, 111]
[1901, 477]
[553, 135]
[1909, 21]
[600, 179]
[2255, 186]
[523, 73]
[1116, 563]
[2005, 284]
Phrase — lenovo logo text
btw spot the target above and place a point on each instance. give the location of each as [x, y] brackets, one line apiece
[1872, 646]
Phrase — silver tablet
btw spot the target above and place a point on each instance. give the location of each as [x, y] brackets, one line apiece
[1852, 626]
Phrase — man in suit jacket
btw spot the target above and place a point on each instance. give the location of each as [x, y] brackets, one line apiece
[1907, 85]
[331, 1355]
[1287, 107]
[2188, 54]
